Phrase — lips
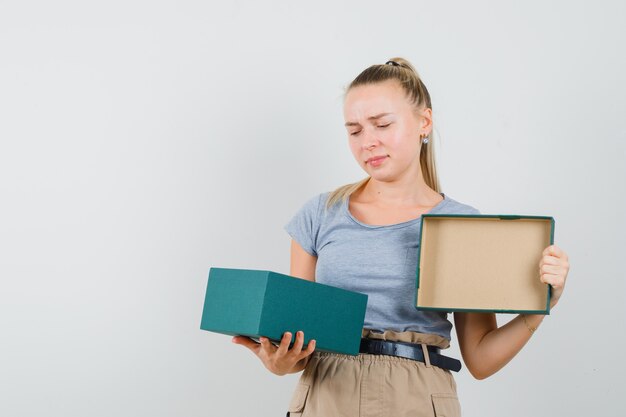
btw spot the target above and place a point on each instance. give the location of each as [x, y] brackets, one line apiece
[376, 160]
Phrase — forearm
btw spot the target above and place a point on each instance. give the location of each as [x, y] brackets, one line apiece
[500, 345]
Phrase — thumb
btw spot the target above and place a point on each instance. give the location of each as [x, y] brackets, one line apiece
[246, 342]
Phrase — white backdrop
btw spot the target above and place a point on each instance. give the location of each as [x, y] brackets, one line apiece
[144, 141]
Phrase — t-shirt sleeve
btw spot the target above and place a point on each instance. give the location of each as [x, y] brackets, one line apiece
[462, 208]
[468, 209]
[304, 225]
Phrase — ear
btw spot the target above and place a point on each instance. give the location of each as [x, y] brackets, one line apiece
[426, 121]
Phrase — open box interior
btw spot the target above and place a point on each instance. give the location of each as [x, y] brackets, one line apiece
[483, 263]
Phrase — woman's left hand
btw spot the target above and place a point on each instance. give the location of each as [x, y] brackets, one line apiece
[553, 269]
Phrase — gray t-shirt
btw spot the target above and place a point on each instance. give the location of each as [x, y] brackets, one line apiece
[380, 261]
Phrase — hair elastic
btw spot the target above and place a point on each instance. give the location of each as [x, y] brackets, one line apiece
[394, 63]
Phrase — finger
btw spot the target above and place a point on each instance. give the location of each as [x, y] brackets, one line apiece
[555, 265]
[310, 348]
[556, 281]
[550, 260]
[284, 344]
[552, 269]
[554, 251]
[266, 347]
[297, 346]
[246, 342]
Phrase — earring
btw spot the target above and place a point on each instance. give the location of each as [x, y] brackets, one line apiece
[424, 139]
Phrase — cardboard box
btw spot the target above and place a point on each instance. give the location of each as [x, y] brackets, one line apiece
[483, 263]
[264, 303]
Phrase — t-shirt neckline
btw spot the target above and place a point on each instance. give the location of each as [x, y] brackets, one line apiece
[437, 207]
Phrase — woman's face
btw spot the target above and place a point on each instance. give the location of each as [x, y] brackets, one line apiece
[384, 130]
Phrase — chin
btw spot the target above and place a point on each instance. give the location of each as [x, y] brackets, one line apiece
[381, 176]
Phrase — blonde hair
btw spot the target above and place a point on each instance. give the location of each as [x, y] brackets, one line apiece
[402, 71]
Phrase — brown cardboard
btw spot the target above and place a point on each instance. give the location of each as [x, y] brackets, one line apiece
[483, 263]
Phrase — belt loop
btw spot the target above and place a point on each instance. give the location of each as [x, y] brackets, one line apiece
[426, 355]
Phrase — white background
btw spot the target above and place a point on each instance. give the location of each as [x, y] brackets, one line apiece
[144, 141]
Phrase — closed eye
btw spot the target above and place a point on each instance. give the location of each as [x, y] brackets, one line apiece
[379, 126]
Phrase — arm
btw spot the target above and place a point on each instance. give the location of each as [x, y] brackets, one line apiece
[302, 263]
[485, 347]
[302, 266]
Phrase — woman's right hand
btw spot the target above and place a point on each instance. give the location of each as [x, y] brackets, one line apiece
[280, 360]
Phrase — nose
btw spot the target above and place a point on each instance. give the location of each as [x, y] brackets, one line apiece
[368, 141]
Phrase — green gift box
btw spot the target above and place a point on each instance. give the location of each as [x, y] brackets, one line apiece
[483, 263]
[257, 303]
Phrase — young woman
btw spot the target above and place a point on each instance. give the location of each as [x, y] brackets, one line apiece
[364, 237]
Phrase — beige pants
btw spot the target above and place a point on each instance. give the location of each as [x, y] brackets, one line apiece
[336, 385]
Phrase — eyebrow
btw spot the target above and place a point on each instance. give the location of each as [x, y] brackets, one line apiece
[378, 116]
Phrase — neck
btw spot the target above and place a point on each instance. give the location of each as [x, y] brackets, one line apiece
[410, 190]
